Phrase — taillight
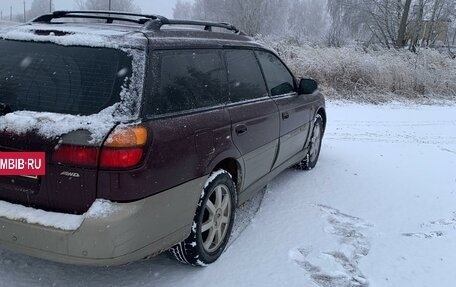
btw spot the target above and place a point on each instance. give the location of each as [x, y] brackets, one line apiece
[124, 148]
[120, 158]
[76, 155]
[125, 137]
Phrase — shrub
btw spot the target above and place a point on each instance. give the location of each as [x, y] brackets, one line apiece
[374, 75]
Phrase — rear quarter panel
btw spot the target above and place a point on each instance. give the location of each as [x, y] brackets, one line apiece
[180, 149]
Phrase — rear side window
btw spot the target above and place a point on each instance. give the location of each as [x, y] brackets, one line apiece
[187, 80]
[278, 78]
[46, 77]
[244, 76]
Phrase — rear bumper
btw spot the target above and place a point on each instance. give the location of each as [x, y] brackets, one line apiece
[126, 232]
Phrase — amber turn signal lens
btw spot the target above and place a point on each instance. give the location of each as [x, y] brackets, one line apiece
[127, 137]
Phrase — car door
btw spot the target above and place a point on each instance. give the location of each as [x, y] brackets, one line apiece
[254, 115]
[295, 110]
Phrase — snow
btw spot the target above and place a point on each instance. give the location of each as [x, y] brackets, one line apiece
[75, 36]
[101, 209]
[7, 24]
[53, 125]
[378, 210]
[132, 89]
[40, 217]
[213, 176]
[68, 222]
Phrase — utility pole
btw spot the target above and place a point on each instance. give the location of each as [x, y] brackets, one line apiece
[50, 6]
[25, 17]
[1, 17]
[11, 13]
[110, 5]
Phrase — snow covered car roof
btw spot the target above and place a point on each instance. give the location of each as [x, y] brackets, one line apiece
[79, 34]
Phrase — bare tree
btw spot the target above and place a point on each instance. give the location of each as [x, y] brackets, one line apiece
[297, 19]
[116, 5]
[307, 20]
[403, 27]
[183, 10]
[387, 22]
[418, 24]
[38, 7]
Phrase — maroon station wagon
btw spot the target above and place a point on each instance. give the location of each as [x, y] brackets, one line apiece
[154, 131]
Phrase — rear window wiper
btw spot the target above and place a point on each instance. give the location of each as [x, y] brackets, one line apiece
[4, 109]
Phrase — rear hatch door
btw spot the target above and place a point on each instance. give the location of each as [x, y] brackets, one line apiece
[54, 96]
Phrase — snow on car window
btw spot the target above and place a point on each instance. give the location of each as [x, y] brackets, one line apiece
[55, 124]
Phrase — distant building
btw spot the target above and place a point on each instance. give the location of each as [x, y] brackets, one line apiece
[431, 31]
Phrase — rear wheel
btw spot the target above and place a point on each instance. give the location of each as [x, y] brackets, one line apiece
[311, 159]
[212, 224]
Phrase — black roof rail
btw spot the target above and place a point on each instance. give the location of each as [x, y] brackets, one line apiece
[156, 24]
[150, 22]
[109, 16]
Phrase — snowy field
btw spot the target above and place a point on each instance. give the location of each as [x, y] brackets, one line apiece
[379, 210]
[5, 24]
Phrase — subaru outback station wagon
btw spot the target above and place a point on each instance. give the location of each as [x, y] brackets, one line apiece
[154, 131]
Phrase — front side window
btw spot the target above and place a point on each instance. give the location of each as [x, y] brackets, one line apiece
[244, 76]
[187, 80]
[278, 78]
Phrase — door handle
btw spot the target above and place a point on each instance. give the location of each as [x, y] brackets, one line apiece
[285, 116]
[241, 129]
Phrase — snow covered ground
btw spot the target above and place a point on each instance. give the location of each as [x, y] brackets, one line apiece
[379, 210]
[6, 24]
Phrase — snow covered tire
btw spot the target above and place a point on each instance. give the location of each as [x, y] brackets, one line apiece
[212, 223]
[311, 159]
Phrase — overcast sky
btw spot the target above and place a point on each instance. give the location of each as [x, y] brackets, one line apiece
[161, 7]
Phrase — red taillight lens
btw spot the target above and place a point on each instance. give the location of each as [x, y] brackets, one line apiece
[120, 158]
[76, 155]
[124, 148]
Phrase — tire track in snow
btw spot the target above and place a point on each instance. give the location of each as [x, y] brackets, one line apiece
[448, 223]
[448, 150]
[245, 215]
[429, 235]
[338, 267]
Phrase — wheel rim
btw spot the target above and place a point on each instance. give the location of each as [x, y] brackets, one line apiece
[315, 142]
[216, 218]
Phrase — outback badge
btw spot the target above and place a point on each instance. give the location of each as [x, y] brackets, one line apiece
[70, 174]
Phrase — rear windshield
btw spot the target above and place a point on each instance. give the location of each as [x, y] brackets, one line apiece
[45, 77]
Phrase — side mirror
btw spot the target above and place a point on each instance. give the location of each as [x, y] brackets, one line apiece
[307, 86]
